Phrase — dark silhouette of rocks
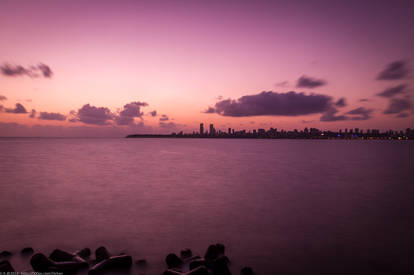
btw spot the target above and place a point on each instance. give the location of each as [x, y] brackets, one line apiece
[201, 270]
[101, 253]
[246, 271]
[173, 261]
[60, 256]
[5, 266]
[186, 253]
[27, 251]
[196, 263]
[41, 263]
[5, 254]
[84, 253]
[113, 262]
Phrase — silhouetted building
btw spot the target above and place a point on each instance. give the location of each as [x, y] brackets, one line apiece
[212, 130]
[201, 128]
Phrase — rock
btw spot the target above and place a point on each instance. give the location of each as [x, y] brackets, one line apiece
[60, 256]
[173, 261]
[201, 270]
[186, 253]
[141, 262]
[219, 266]
[212, 253]
[114, 262]
[171, 272]
[5, 266]
[246, 271]
[41, 263]
[5, 254]
[26, 251]
[84, 253]
[101, 254]
[220, 248]
[196, 263]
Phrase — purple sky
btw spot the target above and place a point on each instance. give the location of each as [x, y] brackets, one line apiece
[101, 68]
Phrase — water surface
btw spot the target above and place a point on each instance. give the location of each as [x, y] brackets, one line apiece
[278, 205]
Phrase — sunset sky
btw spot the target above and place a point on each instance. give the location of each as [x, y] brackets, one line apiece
[100, 68]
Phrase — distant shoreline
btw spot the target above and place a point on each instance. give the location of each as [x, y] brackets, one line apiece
[190, 136]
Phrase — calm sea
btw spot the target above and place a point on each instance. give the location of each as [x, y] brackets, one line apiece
[278, 205]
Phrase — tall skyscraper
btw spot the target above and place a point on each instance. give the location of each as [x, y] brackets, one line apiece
[212, 131]
[201, 128]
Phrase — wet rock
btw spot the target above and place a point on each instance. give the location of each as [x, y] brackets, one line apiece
[84, 253]
[220, 266]
[201, 270]
[141, 262]
[5, 254]
[220, 248]
[212, 253]
[196, 263]
[246, 271]
[173, 261]
[60, 256]
[41, 263]
[186, 253]
[5, 266]
[171, 272]
[27, 251]
[114, 262]
[101, 254]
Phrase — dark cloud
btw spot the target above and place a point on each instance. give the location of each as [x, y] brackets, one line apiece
[330, 115]
[308, 82]
[364, 100]
[19, 109]
[397, 105]
[32, 113]
[51, 116]
[273, 104]
[153, 113]
[360, 113]
[164, 118]
[282, 84]
[403, 115]
[32, 71]
[341, 102]
[45, 69]
[395, 70]
[94, 115]
[2, 97]
[392, 91]
[129, 112]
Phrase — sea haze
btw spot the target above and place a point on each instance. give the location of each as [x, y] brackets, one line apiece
[278, 205]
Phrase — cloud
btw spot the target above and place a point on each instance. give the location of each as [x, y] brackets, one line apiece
[19, 109]
[361, 113]
[164, 118]
[308, 82]
[2, 97]
[33, 71]
[330, 115]
[51, 116]
[341, 102]
[32, 113]
[364, 100]
[273, 104]
[395, 70]
[397, 105]
[153, 113]
[129, 112]
[282, 84]
[392, 91]
[94, 115]
[403, 115]
[45, 69]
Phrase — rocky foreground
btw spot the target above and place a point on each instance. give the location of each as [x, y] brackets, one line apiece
[214, 262]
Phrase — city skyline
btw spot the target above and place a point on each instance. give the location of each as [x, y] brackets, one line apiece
[110, 68]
